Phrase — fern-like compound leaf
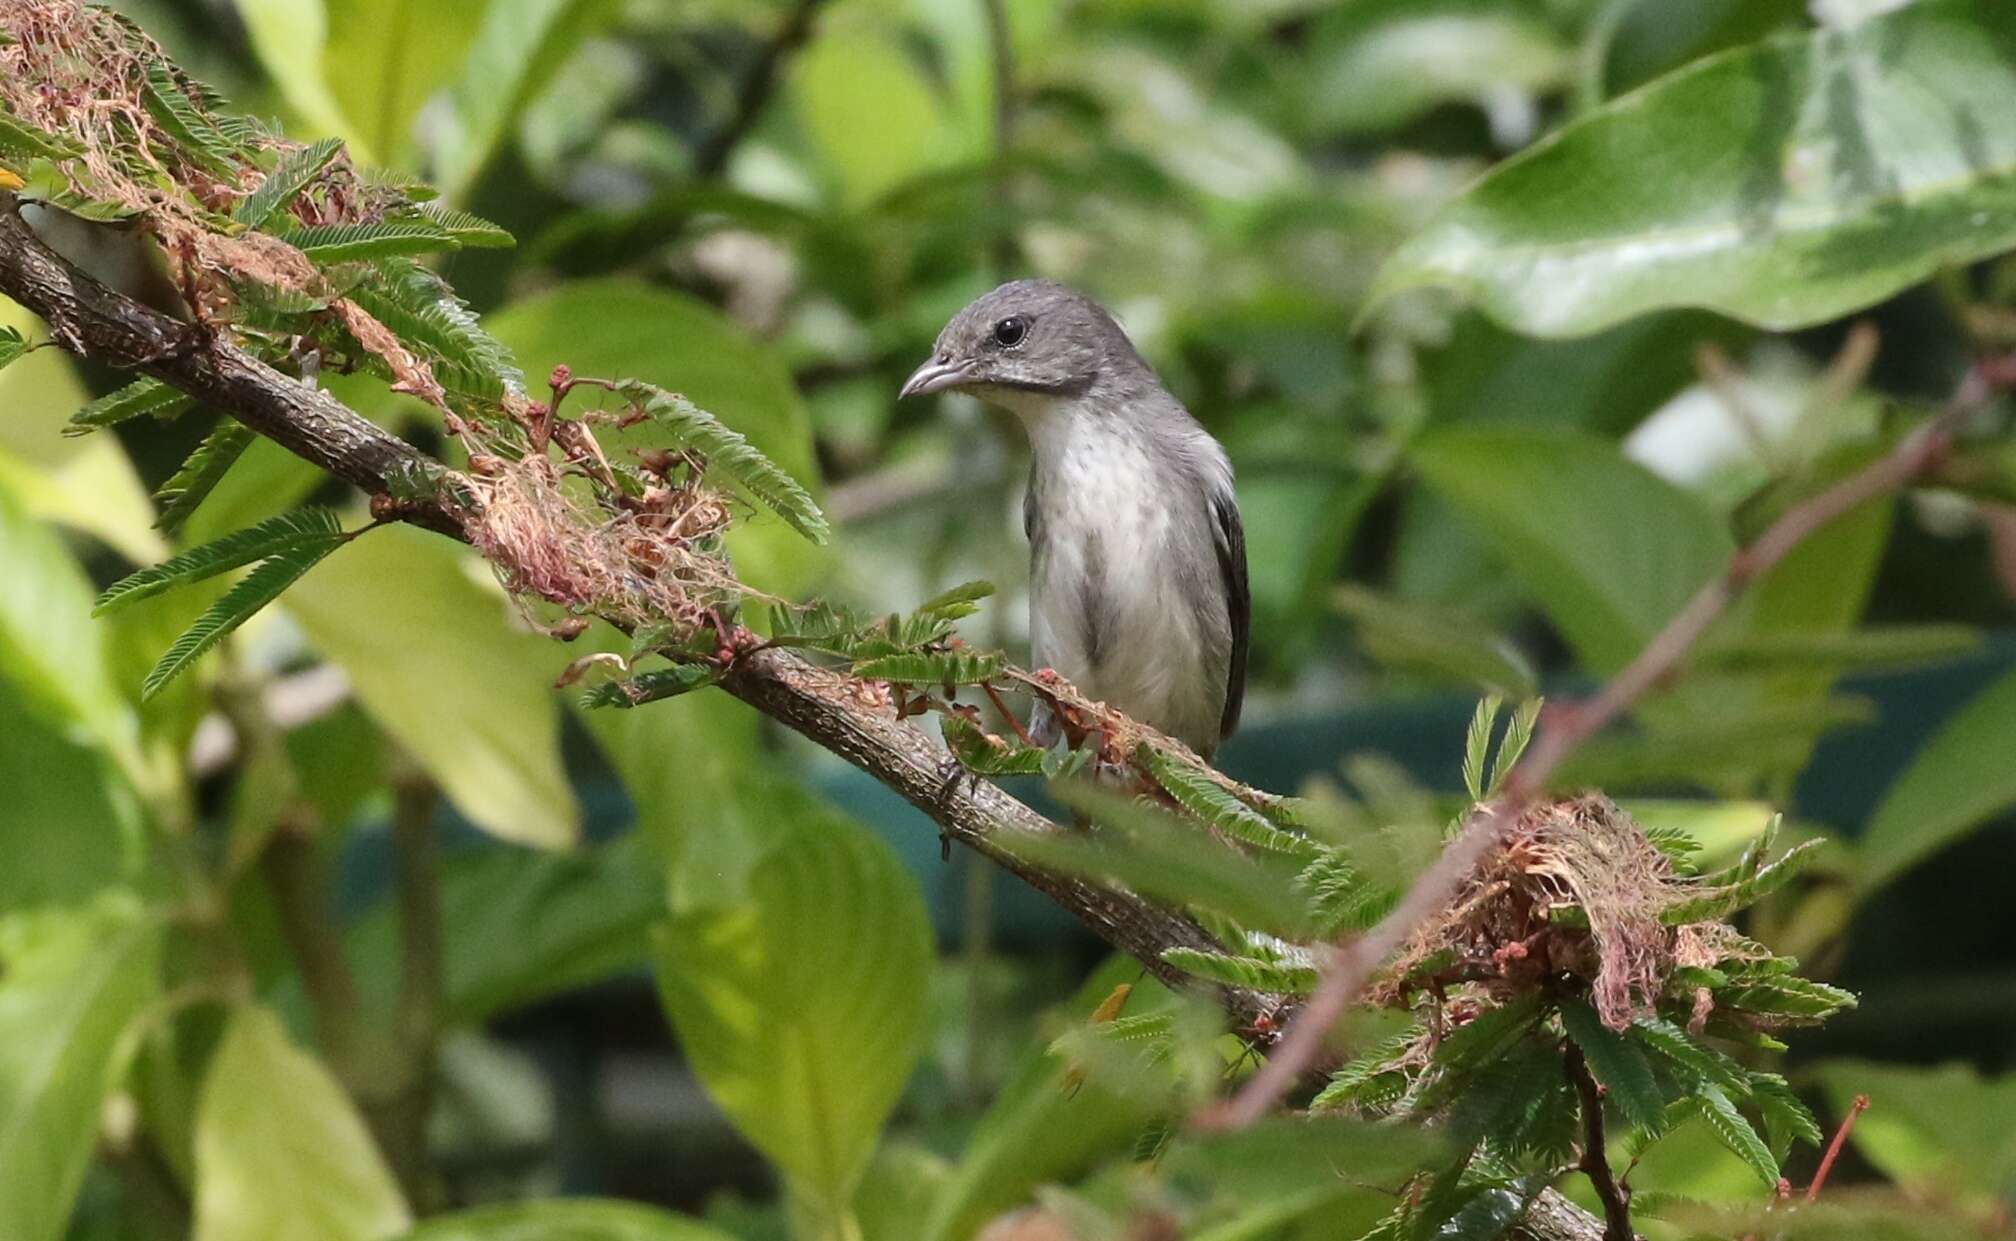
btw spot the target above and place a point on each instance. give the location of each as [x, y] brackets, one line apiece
[290, 532]
[239, 604]
[730, 455]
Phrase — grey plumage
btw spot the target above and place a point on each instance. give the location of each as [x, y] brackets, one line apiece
[1138, 589]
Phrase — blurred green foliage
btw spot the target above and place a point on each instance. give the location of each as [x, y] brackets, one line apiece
[1517, 317]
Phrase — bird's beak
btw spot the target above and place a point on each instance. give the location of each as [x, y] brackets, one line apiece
[934, 376]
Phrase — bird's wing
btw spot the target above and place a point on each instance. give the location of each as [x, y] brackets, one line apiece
[1229, 536]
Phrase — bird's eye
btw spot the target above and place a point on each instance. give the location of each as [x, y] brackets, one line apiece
[1009, 332]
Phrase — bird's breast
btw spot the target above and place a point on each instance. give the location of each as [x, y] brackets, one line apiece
[1106, 610]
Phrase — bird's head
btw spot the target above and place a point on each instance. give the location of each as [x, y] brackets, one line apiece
[1027, 340]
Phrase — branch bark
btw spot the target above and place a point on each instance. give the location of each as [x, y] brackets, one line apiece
[1595, 1161]
[94, 321]
[97, 322]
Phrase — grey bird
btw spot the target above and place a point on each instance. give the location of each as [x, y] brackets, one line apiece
[1137, 583]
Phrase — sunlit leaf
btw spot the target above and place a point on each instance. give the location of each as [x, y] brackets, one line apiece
[803, 1029]
[463, 691]
[564, 1219]
[72, 980]
[513, 54]
[1838, 172]
[281, 1153]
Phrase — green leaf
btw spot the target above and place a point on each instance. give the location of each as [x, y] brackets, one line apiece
[464, 690]
[200, 474]
[289, 37]
[1477, 746]
[295, 531]
[1286, 1155]
[72, 981]
[1256, 973]
[804, 1028]
[1606, 549]
[284, 184]
[19, 139]
[1619, 1065]
[1844, 165]
[184, 119]
[513, 55]
[929, 668]
[281, 1153]
[828, 627]
[522, 925]
[427, 316]
[851, 72]
[1696, 1060]
[472, 231]
[1787, 1119]
[728, 453]
[1434, 640]
[1037, 1129]
[1164, 858]
[1385, 65]
[1348, 1083]
[1734, 1131]
[1487, 1036]
[356, 243]
[70, 831]
[564, 1219]
[957, 603]
[986, 756]
[1958, 780]
[1717, 905]
[12, 346]
[1785, 998]
[142, 396]
[49, 648]
[1512, 747]
[651, 686]
[1208, 800]
[246, 597]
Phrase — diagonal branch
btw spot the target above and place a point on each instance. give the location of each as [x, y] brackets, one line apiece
[1562, 731]
[97, 322]
[824, 706]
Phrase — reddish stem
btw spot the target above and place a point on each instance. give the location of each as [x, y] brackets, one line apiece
[1855, 1109]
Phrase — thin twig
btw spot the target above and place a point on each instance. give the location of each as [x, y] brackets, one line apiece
[753, 92]
[1595, 1161]
[1564, 729]
[1855, 1109]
